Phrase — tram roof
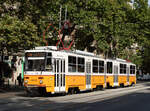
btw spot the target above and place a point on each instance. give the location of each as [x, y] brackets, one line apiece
[79, 52]
[53, 48]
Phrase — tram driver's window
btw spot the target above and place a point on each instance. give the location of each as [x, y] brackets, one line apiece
[109, 67]
[49, 64]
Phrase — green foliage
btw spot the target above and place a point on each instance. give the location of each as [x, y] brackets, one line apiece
[17, 35]
[115, 25]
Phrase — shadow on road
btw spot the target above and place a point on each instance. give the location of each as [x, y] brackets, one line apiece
[11, 88]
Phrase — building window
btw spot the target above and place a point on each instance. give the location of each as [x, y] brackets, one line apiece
[123, 68]
[109, 67]
[95, 66]
[132, 69]
[72, 64]
[81, 64]
[101, 66]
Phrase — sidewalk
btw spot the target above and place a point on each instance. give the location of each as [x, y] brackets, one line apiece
[11, 88]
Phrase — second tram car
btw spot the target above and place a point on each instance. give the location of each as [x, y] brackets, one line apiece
[50, 70]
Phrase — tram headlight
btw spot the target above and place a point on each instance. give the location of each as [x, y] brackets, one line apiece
[26, 81]
[41, 81]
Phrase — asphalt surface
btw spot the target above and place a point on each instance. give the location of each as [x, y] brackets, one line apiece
[138, 101]
[116, 99]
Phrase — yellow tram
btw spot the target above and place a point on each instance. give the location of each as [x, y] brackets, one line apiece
[51, 70]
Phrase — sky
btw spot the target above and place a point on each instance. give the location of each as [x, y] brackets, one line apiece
[148, 2]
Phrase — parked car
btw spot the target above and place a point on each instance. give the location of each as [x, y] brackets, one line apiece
[144, 77]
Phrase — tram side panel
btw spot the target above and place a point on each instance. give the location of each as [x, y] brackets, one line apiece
[50, 83]
[109, 74]
[98, 76]
[122, 80]
[75, 77]
[97, 81]
[132, 77]
[75, 81]
[122, 74]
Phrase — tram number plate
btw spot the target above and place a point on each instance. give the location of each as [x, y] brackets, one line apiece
[33, 79]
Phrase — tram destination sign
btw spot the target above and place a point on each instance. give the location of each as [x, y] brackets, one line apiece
[35, 54]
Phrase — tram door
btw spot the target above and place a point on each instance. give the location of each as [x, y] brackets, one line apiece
[116, 74]
[128, 75]
[88, 75]
[59, 65]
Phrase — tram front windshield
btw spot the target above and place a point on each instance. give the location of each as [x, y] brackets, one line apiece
[38, 62]
[35, 65]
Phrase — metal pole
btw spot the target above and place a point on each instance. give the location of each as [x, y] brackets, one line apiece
[60, 17]
[66, 14]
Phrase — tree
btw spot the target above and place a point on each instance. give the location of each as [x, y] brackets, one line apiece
[111, 27]
[17, 35]
[142, 20]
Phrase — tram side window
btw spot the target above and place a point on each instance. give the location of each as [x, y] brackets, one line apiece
[72, 64]
[95, 66]
[132, 69]
[101, 66]
[81, 64]
[123, 68]
[109, 67]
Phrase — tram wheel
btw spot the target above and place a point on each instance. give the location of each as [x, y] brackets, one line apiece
[122, 85]
[72, 91]
[133, 84]
[42, 91]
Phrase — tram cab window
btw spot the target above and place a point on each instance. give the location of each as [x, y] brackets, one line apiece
[95, 66]
[123, 68]
[48, 66]
[72, 64]
[81, 64]
[35, 61]
[109, 67]
[101, 66]
[35, 65]
[132, 69]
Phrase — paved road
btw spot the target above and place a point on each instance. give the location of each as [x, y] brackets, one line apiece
[120, 99]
